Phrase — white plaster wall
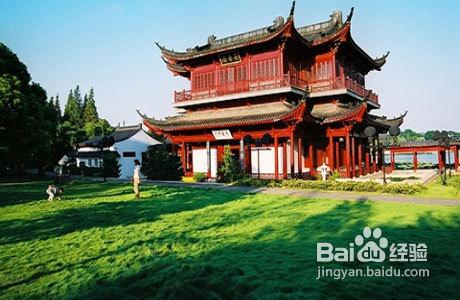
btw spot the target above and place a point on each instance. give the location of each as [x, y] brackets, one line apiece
[138, 143]
[288, 156]
[200, 164]
[267, 160]
[94, 161]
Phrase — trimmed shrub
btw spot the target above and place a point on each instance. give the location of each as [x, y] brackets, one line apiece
[199, 177]
[110, 165]
[160, 164]
[335, 175]
[230, 170]
[332, 185]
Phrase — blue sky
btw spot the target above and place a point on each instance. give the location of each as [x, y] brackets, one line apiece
[110, 45]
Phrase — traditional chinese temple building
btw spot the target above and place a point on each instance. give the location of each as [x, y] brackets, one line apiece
[286, 99]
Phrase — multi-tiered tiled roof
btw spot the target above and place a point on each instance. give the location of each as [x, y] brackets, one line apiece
[312, 35]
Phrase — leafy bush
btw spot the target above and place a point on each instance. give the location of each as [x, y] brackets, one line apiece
[352, 186]
[91, 171]
[230, 170]
[200, 177]
[158, 163]
[399, 179]
[73, 169]
[335, 175]
[110, 165]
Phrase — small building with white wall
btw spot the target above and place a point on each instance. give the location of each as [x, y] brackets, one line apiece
[130, 143]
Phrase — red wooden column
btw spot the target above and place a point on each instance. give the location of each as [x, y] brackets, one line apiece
[368, 162]
[184, 158]
[360, 158]
[291, 153]
[440, 160]
[311, 156]
[299, 155]
[276, 156]
[248, 162]
[189, 157]
[392, 160]
[456, 158]
[353, 157]
[284, 160]
[331, 152]
[415, 162]
[337, 157]
[374, 156]
[347, 160]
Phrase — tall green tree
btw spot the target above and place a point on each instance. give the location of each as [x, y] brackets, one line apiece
[90, 114]
[83, 107]
[27, 120]
[72, 110]
[77, 96]
[57, 107]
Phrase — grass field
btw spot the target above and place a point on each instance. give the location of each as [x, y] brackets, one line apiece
[436, 189]
[185, 243]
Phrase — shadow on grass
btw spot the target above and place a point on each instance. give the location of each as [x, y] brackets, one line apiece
[287, 267]
[275, 262]
[13, 193]
[108, 214]
[22, 192]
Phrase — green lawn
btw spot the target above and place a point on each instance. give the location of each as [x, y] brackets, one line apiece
[436, 189]
[185, 243]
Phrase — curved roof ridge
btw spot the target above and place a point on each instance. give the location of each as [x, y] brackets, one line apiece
[228, 117]
[321, 27]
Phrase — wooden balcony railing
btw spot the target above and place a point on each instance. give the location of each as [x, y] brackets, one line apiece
[270, 83]
[285, 80]
[342, 83]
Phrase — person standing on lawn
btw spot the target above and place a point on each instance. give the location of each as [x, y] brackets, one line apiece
[136, 178]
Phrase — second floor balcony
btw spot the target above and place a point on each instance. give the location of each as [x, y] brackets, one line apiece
[281, 83]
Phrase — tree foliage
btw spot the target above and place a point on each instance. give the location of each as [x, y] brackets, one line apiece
[230, 169]
[97, 128]
[72, 110]
[89, 108]
[158, 163]
[33, 131]
[110, 165]
[27, 120]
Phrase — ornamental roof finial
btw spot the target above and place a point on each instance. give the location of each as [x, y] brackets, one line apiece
[291, 13]
[350, 15]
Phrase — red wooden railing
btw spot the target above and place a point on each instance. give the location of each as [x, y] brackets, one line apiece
[285, 80]
[341, 83]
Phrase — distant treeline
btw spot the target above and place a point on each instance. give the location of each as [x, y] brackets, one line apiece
[411, 135]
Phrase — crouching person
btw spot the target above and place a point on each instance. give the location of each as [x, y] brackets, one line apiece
[54, 192]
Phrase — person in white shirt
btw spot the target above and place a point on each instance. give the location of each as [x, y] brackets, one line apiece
[136, 178]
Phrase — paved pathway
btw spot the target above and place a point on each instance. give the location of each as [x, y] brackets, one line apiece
[350, 196]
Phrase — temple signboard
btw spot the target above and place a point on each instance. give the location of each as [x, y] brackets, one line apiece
[222, 134]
